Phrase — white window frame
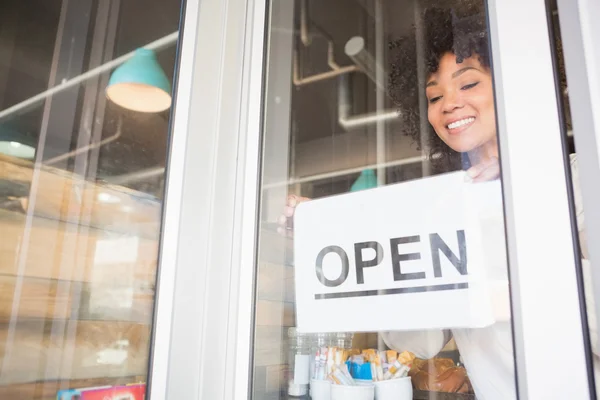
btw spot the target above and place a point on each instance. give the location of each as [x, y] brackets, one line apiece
[211, 184]
[204, 323]
[544, 287]
[580, 34]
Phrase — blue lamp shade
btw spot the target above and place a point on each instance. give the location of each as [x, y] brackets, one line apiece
[140, 84]
[14, 144]
[366, 180]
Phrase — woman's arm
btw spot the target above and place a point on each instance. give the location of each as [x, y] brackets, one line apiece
[424, 344]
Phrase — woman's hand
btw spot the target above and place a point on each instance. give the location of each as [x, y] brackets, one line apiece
[286, 220]
[485, 171]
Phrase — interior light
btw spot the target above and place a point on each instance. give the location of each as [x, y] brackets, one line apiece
[16, 149]
[108, 198]
[14, 143]
[140, 84]
[366, 180]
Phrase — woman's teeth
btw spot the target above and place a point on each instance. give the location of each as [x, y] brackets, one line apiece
[460, 123]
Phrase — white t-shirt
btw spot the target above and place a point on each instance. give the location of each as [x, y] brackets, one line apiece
[488, 352]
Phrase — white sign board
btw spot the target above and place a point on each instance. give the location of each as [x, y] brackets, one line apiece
[424, 254]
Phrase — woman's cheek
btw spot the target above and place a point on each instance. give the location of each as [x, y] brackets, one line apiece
[433, 116]
[430, 116]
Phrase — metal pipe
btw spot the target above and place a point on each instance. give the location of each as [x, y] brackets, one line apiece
[304, 31]
[380, 92]
[135, 176]
[298, 81]
[87, 148]
[156, 45]
[348, 121]
[356, 170]
[306, 39]
[356, 50]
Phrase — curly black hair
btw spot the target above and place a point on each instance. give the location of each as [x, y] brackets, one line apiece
[458, 29]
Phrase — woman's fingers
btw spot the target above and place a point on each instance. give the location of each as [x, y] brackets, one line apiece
[282, 220]
[292, 200]
[285, 221]
[489, 174]
[485, 171]
[288, 211]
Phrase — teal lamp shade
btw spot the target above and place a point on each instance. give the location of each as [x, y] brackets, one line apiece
[14, 144]
[140, 84]
[366, 180]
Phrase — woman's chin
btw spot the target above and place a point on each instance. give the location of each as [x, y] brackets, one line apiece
[461, 146]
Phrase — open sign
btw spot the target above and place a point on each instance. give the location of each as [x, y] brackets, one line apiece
[409, 256]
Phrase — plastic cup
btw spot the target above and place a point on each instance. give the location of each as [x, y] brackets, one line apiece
[359, 392]
[320, 389]
[394, 389]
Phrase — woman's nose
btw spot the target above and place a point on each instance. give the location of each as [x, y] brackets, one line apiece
[452, 101]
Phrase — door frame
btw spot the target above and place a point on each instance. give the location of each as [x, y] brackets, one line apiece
[203, 341]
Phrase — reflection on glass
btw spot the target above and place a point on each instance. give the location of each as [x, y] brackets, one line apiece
[354, 243]
[81, 191]
[579, 211]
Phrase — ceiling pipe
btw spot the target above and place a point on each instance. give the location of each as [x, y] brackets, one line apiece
[159, 44]
[348, 171]
[349, 121]
[137, 176]
[356, 50]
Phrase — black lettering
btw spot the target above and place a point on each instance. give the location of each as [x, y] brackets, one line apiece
[345, 266]
[438, 244]
[398, 258]
[360, 263]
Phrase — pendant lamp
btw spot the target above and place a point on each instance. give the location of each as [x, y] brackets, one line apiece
[140, 84]
[14, 144]
[366, 180]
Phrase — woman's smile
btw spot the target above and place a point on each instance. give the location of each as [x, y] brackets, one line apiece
[457, 126]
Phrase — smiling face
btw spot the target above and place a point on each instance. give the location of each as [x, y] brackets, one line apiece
[461, 103]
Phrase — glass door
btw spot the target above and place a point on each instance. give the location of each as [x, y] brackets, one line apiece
[413, 229]
[85, 104]
[577, 52]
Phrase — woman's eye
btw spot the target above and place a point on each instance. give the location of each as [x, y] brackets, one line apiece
[434, 99]
[469, 86]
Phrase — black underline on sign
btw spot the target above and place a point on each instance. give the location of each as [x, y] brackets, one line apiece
[385, 292]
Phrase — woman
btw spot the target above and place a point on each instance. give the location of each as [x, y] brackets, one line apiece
[461, 115]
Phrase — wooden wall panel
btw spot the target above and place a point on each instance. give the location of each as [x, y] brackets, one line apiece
[275, 282]
[274, 313]
[68, 349]
[277, 378]
[77, 282]
[46, 299]
[38, 298]
[270, 345]
[63, 196]
[58, 250]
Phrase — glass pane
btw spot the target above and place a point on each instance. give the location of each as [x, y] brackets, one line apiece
[81, 191]
[571, 133]
[382, 265]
